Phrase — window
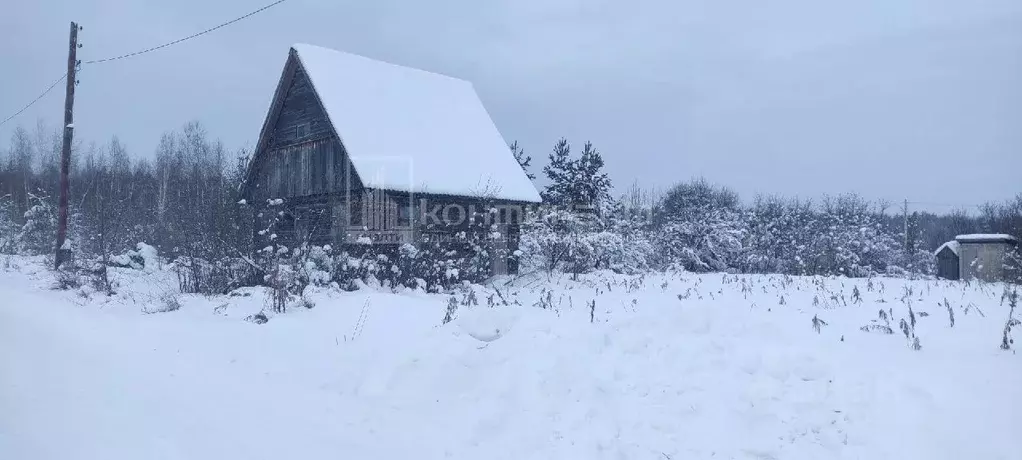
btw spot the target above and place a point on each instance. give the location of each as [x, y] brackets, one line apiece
[404, 212]
[301, 130]
[355, 215]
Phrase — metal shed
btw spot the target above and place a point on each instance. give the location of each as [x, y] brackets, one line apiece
[975, 256]
[947, 261]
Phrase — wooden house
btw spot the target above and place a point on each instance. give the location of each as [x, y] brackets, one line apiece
[976, 256]
[361, 150]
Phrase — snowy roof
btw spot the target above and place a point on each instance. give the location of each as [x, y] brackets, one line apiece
[413, 131]
[986, 238]
[952, 245]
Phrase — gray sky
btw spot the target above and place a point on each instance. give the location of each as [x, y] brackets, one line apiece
[891, 98]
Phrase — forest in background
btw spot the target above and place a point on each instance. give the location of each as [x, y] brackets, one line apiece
[185, 200]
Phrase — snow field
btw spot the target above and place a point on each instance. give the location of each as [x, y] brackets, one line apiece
[673, 366]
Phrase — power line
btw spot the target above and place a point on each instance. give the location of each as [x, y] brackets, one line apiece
[34, 100]
[949, 205]
[136, 53]
[147, 50]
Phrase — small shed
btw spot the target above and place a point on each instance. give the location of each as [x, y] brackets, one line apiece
[975, 256]
[947, 261]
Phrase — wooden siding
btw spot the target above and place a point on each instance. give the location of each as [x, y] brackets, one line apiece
[301, 117]
[312, 168]
[947, 264]
[302, 157]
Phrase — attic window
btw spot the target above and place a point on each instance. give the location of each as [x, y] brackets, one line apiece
[301, 130]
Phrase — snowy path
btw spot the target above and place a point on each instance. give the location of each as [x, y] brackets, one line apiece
[662, 379]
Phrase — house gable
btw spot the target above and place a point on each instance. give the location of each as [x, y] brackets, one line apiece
[301, 117]
[413, 131]
[298, 153]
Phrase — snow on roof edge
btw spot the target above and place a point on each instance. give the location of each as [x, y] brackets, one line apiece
[297, 47]
[952, 245]
[501, 168]
[985, 238]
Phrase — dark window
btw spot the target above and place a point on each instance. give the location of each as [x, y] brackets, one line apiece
[355, 216]
[286, 228]
[301, 130]
[404, 212]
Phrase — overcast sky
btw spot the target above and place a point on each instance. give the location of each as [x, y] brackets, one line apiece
[895, 99]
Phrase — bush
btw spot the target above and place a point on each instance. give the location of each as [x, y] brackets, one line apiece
[68, 277]
[167, 303]
[199, 276]
[38, 234]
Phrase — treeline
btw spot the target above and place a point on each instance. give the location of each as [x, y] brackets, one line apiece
[185, 203]
[702, 227]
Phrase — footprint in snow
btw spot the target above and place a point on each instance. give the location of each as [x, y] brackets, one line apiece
[487, 325]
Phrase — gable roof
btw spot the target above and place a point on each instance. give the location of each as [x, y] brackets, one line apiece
[952, 245]
[410, 130]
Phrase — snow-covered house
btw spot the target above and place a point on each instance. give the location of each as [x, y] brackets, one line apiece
[361, 149]
[980, 256]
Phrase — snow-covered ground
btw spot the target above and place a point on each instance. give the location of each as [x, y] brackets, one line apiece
[673, 366]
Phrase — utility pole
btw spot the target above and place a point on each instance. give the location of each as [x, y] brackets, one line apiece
[62, 253]
[904, 213]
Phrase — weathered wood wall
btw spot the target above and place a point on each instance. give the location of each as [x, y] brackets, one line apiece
[301, 117]
[302, 157]
[302, 161]
[947, 264]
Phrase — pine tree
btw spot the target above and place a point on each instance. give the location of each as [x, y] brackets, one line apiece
[579, 183]
[591, 185]
[524, 160]
[560, 172]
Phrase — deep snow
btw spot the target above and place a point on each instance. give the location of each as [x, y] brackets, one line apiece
[675, 366]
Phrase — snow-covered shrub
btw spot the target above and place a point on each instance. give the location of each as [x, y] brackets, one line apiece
[691, 200]
[167, 303]
[38, 234]
[919, 262]
[850, 240]
[555, 238]
[779, 232]
[558, 239]
[275, 259]
[8, 227]
[573, 232]
[201, 276]
[712, 240]
[68, 277]
[623, 244]
[438, 264]
[258, 318]
[143, 257]
[315, 265]
[405, 274]
[363, 262]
